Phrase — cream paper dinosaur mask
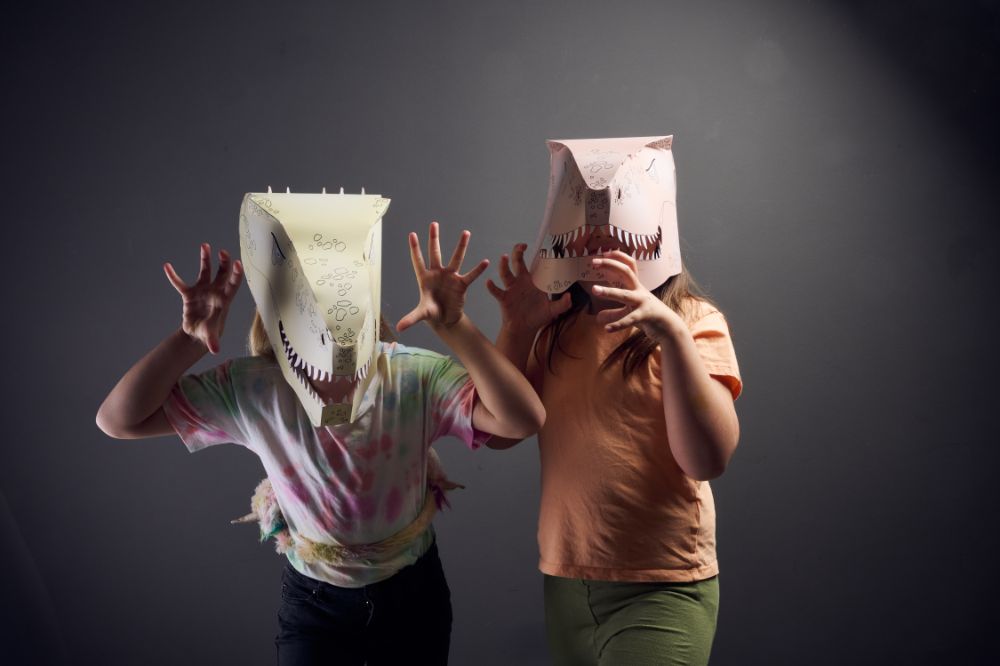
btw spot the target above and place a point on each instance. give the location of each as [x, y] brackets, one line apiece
[606, 194]
[313, 263]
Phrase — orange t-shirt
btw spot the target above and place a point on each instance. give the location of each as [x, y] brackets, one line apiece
[615, 505]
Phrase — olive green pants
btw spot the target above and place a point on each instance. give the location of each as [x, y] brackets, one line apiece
[600, 623]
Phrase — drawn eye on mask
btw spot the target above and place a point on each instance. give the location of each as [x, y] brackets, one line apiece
[277, 256]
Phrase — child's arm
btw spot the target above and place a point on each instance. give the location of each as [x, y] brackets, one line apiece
[525, 310]
[507, 405]
[134, 408]
[701, 420]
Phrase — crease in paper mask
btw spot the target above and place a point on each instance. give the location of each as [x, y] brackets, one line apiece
[608, 194]
[313, 264]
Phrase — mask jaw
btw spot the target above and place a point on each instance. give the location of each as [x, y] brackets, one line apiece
[607, 194]
[313, 265]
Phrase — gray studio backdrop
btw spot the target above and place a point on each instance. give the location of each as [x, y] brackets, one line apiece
[835, 174]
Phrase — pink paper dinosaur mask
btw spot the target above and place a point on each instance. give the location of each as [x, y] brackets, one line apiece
[607, 194]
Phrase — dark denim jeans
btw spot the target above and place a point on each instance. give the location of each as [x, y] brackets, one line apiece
[405, 619]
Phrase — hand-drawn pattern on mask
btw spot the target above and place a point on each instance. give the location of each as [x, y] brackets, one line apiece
[318, 291]
[604, 195]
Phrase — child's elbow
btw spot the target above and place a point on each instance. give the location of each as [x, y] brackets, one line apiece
[529, 424]
[106, 426]
[707, 472]
[712, 466]
[111, 426]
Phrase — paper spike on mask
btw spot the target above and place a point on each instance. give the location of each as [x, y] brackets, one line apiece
[269, 189]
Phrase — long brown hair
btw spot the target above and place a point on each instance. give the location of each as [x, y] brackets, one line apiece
[680, 293]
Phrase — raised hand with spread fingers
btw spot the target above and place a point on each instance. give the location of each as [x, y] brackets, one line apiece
[442, 287]
[523, 305]
[505, 403]
[639, 306]
[134, 407]
[207, 301]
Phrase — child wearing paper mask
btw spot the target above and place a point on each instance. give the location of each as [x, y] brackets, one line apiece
[638, 386]
[375, 593]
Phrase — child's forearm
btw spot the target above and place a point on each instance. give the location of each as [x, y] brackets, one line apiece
[514, 409]
[132, 409]
[515, 344]
[702, 426]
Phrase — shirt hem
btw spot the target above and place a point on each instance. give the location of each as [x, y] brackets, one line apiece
[707, 570]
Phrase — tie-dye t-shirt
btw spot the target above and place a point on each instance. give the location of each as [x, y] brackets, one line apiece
[354, 483]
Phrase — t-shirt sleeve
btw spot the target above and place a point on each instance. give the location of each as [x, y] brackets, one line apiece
[203, 409]
[451, 398]
[711, 337]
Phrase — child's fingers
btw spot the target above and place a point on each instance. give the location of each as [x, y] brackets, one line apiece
[494, 290]
[235, 279]
[625, 258]
[212, 342]
[419, 267]
[626, 296]
[505, 274]
[458, 256]
[414, 316]
[518, 256]
[560, 306]
[175, 279]
[434, 246]
[225, 267]
[618, 267]
[608, 316]
[471, 276]
[628, 321]
[205, 268]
